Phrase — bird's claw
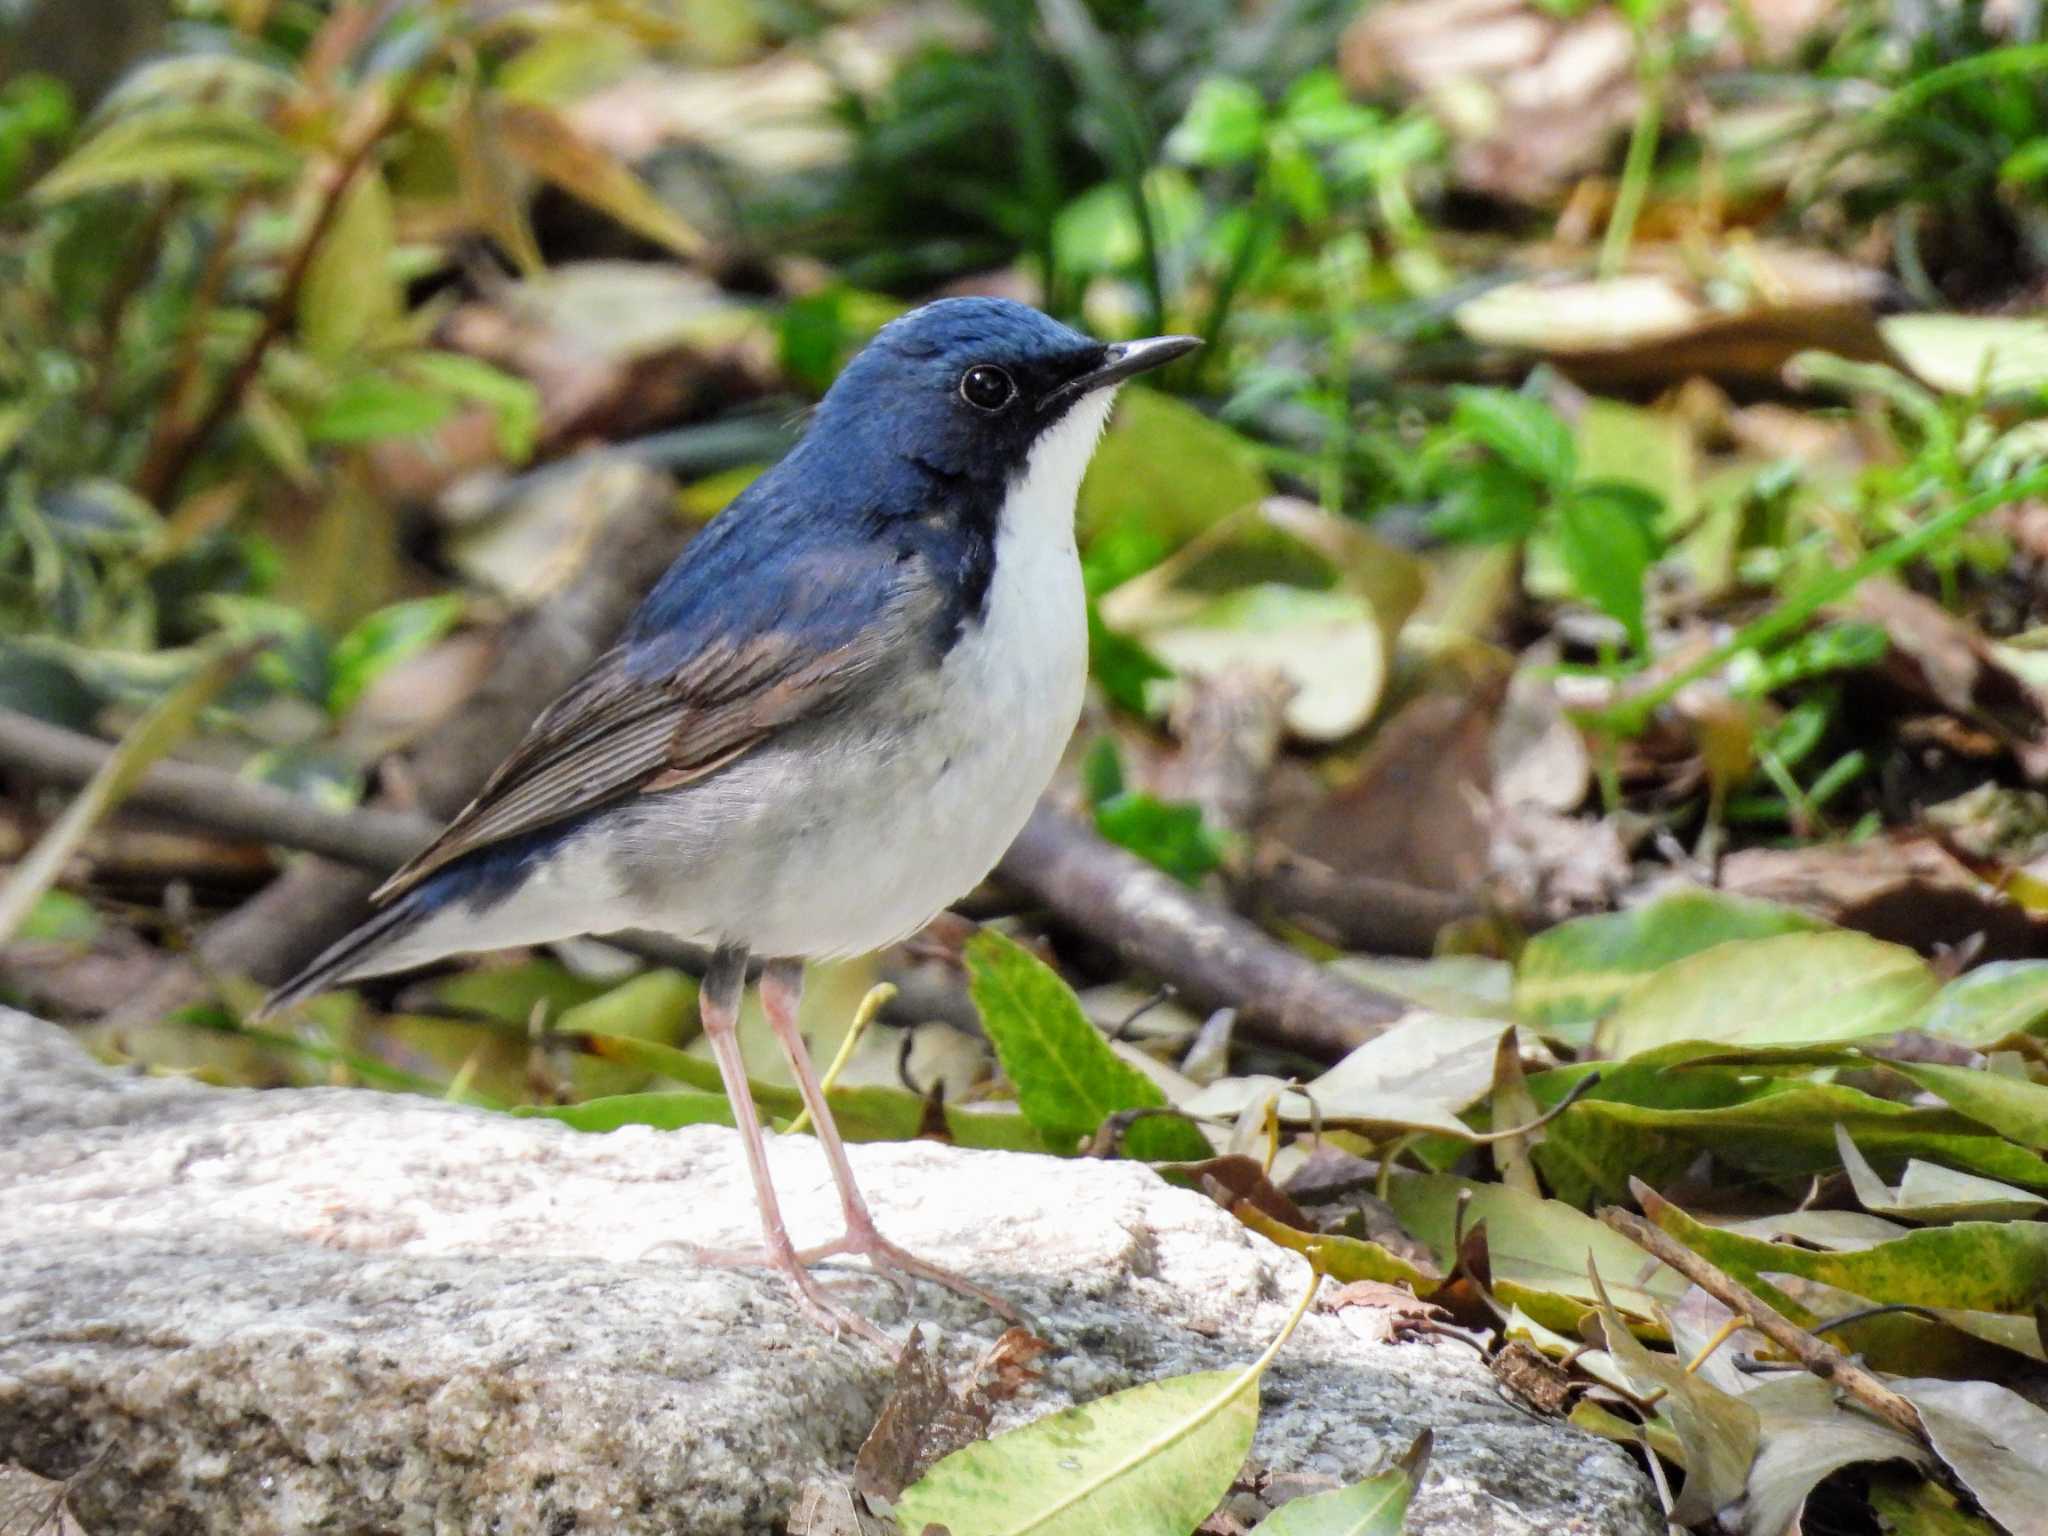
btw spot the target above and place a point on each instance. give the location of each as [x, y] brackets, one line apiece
[896, 1264]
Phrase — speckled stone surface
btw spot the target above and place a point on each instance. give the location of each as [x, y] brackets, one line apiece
[332, 1310]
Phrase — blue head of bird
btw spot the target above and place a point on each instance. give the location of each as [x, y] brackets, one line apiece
[976, 389]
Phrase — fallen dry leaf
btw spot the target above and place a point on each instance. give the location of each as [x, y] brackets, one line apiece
[1946, 658]
[1535, 93]
[922, 1421]
[1907, 889]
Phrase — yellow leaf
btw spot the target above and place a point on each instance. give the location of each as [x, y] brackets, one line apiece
[545, 142]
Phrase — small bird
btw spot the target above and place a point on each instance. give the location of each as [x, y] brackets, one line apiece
[826, 722]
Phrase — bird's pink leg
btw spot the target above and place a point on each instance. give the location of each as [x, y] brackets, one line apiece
[782, 986]
[719, 1004]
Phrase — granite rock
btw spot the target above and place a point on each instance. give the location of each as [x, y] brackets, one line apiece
[339, 1310]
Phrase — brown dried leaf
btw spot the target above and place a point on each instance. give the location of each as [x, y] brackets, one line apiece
[1946, 658]
[1534, 1377]
[1663, 319]
[1004, 1371]
[827, 1506]
[1228, 1180]
[1413, 813]
[922, 1421]
[1905, 889]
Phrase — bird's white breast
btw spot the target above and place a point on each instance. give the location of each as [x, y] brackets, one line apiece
[1004, 704]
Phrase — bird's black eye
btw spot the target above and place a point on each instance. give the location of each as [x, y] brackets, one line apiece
[986, 387]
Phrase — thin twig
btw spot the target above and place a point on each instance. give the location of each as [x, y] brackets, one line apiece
[160, 476]
[188, 358]
[1816, 1355]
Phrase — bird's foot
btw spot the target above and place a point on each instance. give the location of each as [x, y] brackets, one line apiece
[793, 1264]
[888, 1260]
[862, 1240]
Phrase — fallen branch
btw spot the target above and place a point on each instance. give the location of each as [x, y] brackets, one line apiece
[1212, 957]
[1351, 910]
[374, 840]
[1817, 1355]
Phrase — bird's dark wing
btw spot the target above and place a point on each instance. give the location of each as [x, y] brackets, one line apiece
[717, 661]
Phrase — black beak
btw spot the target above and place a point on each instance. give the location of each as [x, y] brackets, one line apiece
[1120, 360]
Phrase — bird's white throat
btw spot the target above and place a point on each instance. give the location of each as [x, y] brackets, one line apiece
[1044, 493]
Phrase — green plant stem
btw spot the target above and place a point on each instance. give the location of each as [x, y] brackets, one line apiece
[1641, 160]
[1109, 92]
[1259, 223]
[1629, 716]
[2027, 61]
[1037, 150]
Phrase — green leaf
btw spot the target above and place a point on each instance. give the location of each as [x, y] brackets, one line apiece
[1151, 1461]
[381, 640]
[1124, 668]
[1486, 503]
[59, 917]
[1605, 541]
[196, 143]
[1538, 1250]
[874, 1113]
[1781, 1130]
[510, 993]
[659, 1006]
[1172, 836]
[350, 294]
[1984, 1006]
[1344, 1259]
[513, 401]
[1582, 969]
[370, 406]
[1464, 986]
[1318, 109]
[1973, 1266]
[1650, 450]
[1068, 1079]
[1794, 988]
[1098, 232]
[1225, 124]
[2012, 1106]
[1164, 473]
[1524, 431]
[1376, 1507]
[665, 1111]
[1917, 1507]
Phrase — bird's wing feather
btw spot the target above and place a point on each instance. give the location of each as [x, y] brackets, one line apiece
[679, 702]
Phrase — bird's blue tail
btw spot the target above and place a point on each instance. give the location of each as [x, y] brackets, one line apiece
[347, 956]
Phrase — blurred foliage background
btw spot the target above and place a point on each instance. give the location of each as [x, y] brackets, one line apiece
[1617, 465]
